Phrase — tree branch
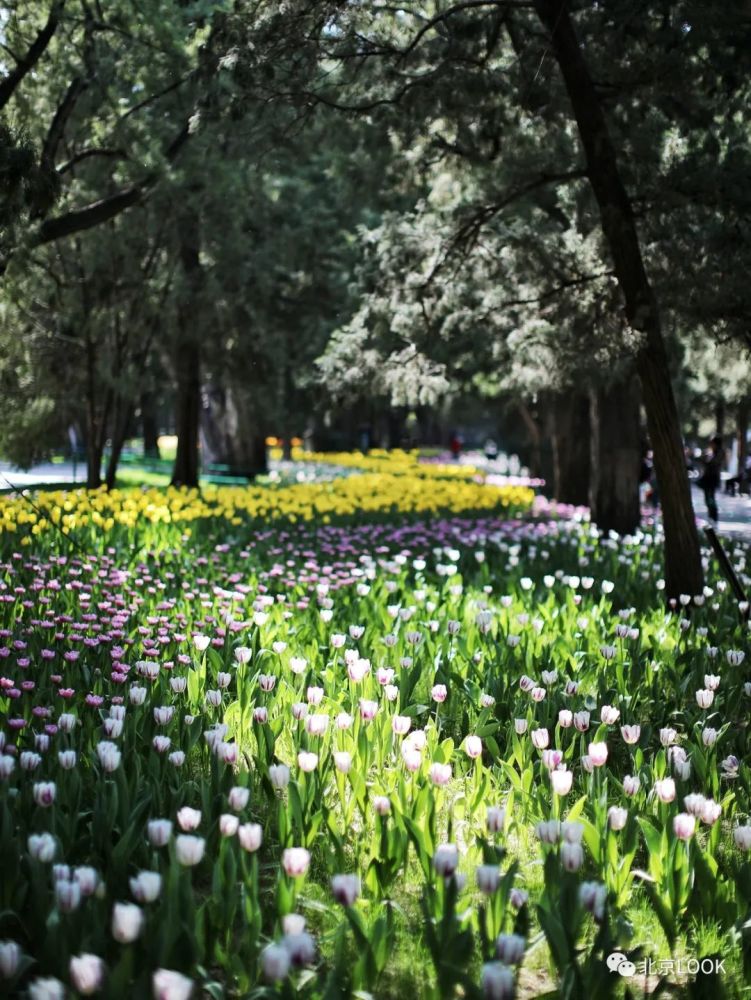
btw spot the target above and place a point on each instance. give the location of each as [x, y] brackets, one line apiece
[87, 153]
[551, 293]
[60, 120]
[35, 52]
[456, 9]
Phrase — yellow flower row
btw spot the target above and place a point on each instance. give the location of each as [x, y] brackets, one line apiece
[395, 462]
[370, 493]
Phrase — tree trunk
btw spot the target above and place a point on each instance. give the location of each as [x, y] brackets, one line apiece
[570, 434]
[535, 438]
[121, 419]
[187, 413]
[149, 426]
[719, 413]
[188, 359]
[259, 454]
[616, 457]
[683, 569]
[742, 432]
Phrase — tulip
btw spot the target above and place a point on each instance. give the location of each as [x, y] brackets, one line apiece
[684, 826]
[42, 846]
[166, 984]
[548, 831]
[188, 819]
[446, 859]
[509, 948]
[381, 805]
[581, 721]
[565, 718]
[146, 886]
[572, 856]
[228, 824]
[127, 921]
[497, 981]
[307, 762]
[597, 753]
[44, 793]
[275, 963]
[314, 695]
[440, 774]
[473, 746]
[495, 819]
[742, 837]
[295, 861]
[10, 956]
[631, 734]
[593, 897]
[46, 989]
[704, 698]
[159, 831]
[189, 849]
[250, 836]
[400, 724]
[520, 726]
[300, 948]
[561, 781]
[439, 693]
[665, 789]
[279, 776]
[87, 973]
[87, 879]
[609, 715]
[488, 878]
[345, 889]
[617, 817]
[368, 709]
[238, 798]
[631, 784]
[540, 738]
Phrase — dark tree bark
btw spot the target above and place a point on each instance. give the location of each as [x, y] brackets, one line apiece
[616, 450]
[232, 432]
[123, 410]
[149, 426]
[187, 410]
[259, 453]
[570, 434]
[535, 438]
[188, 359]
[719, 413]
[683, 569]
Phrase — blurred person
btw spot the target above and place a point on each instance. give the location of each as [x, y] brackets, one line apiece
[709, 481]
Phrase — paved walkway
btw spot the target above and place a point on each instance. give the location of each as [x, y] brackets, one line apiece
[734, 512]
[42, 474]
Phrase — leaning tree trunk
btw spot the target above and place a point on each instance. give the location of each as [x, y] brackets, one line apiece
[683, 568]
[616, 456]
[570, 434]
[188, 359]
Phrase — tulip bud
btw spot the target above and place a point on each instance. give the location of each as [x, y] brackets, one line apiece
[127, 921]
[87, 973]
